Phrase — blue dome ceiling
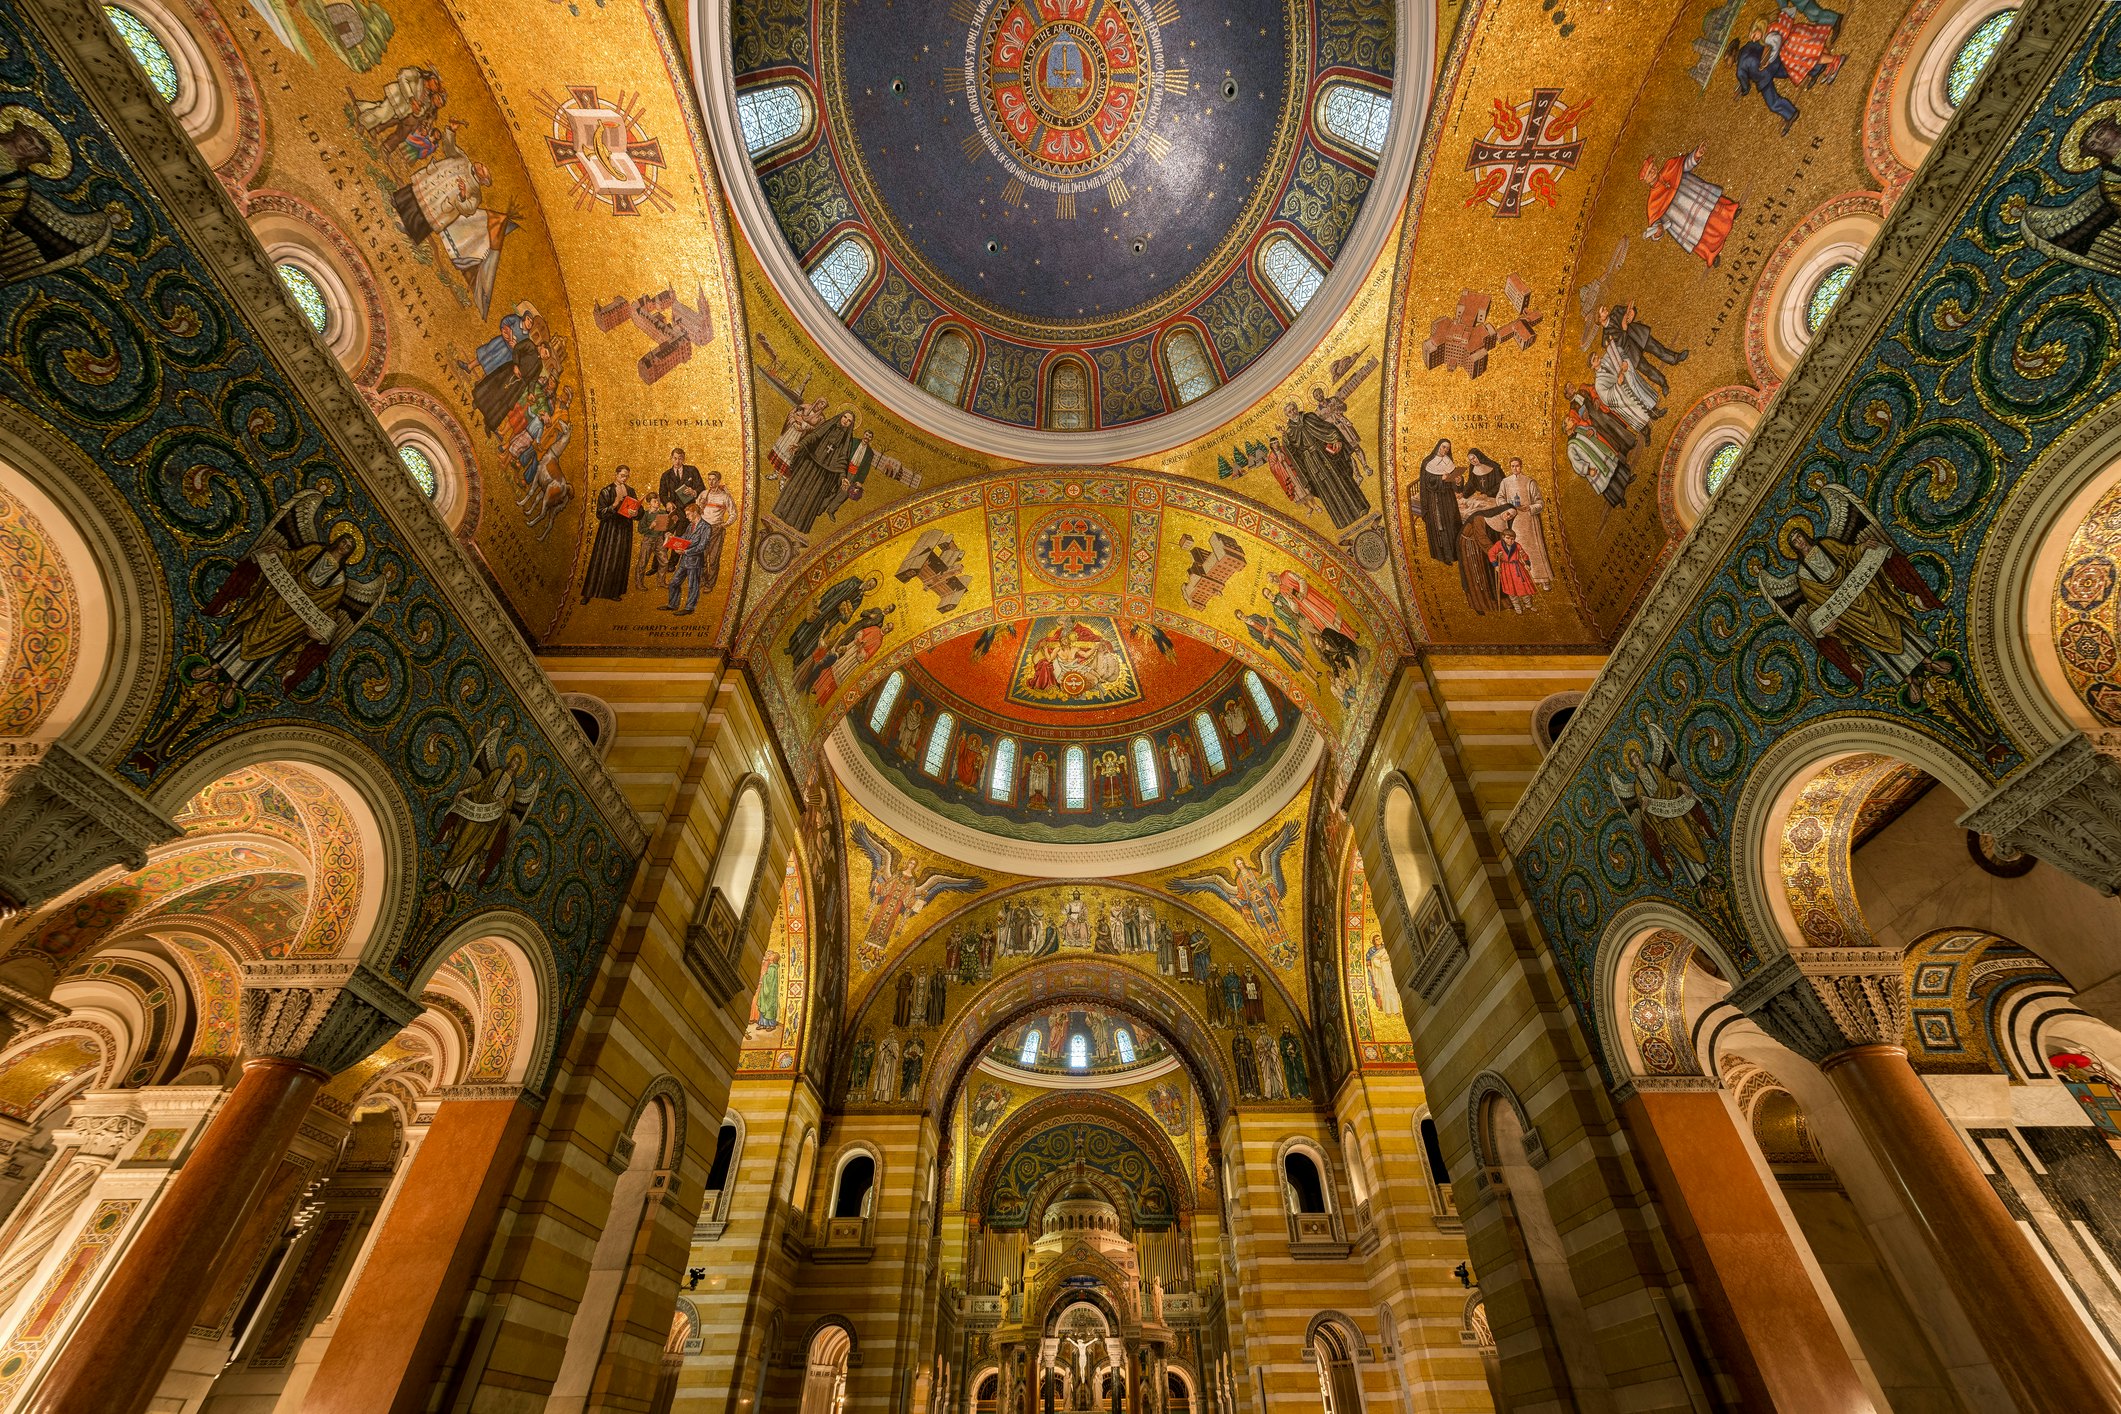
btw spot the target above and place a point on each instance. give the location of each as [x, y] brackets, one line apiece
[1066, 178]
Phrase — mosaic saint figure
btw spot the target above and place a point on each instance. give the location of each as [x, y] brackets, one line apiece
[1246, 1059]
[1253, 887]
[1436, 503]
[1657, 797]
[1295, 1077]
[821, 475]
[1521, 494]
[1038, 781]
[1324, 456]
[291, 600]
[1689, 208]
[1272, 1083]
[766, 1001]
[1384, 986]
[37, 237]
[834, 607]
[483, 815]
[616, 509]
[886, 1080]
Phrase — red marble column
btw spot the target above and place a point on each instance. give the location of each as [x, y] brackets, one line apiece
[397, 1326]
[116, 1358]
[2040, 1346]
[1771, 1330]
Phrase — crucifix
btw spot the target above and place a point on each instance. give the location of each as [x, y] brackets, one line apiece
[1529, 149]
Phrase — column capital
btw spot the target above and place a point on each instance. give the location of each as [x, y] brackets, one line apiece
[1819, 1001]
[2064, 808]
[62, 819]
[327, 1015]
[100, 1123]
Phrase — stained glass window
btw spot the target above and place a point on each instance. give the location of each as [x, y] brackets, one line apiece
[1356, 114]
[1068, 397]
[1974, 54]
[1826, 294]
[1029, 1054]
[1075, 779]
[420, 467]
[1267, 715]
[1145, 779]
[943, 374]
[1192, 378]
[1124, 1039]
[1078, 1052]
[1001, 781]
[841, 272]
[886, 699]
[301, 287]
[1294, 274]
[1211, 742]
[148, 51]
[1721, 461]
[772, 116]
[938, 743]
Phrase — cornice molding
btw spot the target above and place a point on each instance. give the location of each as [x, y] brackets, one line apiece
[859, 776]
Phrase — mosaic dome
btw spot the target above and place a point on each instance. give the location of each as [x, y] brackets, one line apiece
[1064, 215]
[1074, 729]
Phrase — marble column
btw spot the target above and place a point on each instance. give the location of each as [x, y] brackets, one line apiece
[1770, 1327]
[1845, 1010]
[397, 1326]
[300, 1024]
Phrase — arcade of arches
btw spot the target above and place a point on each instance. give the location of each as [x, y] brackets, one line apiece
[1170, 706]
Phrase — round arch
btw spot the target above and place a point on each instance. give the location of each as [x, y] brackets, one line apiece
[1043, 985]
[1067, 1108]
[1617, 949]
[521, 947]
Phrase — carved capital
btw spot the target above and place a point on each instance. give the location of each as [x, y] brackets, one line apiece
[20, 1012]
[327, 1015]
[1820, 1001]
[2064, 808]
[62, 819]
[100, 1123]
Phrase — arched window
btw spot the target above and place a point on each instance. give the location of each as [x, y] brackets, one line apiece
[1355, 115]
[1292, 272]
[1443, 1200]
[1078, 1052]
[420, 467]
[1358, 1171]
[1974, 54]
[805, 1172]
[721, 1176]
[1720, 464]
[148, 51]
[825, 1372]
[1304, 1188]
[724, 1158]
[1825, 295]
[774, 117]
[736, 863]
[1027, 1054]
[1124, 1039]
[1211, 743]
[1001, 780]
[1192, 376]
[1075, 779]
[850, 1199]
[1068, 396]
[938, 743]
[1145, 781]
[1339, 1390]
[613, 1264]
[886, 699]
[841, 272]
[302, 288]
[943, 370]
[1268, 717]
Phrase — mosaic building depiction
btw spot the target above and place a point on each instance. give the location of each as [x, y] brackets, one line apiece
[1150, 706]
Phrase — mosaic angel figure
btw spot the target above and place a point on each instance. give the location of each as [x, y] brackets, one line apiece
[1254, 888]
[1661, 803]
[897, 893]
[1853, 594]
[292, 599]
[484, 814]
[37, 237]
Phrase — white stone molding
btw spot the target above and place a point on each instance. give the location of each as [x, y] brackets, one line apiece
[64, 819]
[2065, 808]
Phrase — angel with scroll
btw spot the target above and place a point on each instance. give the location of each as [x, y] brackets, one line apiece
[1253, 887]
[1659, 800]
[897, 893]
[1852, 589]
[292, 598]
[483, 815]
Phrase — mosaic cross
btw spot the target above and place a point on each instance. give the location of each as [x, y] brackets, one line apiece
[1524, 150]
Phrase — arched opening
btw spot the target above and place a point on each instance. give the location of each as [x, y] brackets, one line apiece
[825, 1371]
[855, 1186]
[738, 864]
[774, 118]
[1333, 1349]
[1443, 1196]
[721, 1174]
[619, 1255]
[843, 273]
[1355, 117]
[1067, 395]
[1303, 1186]
[945, 370]
[1187, 365]
[1289, 272]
